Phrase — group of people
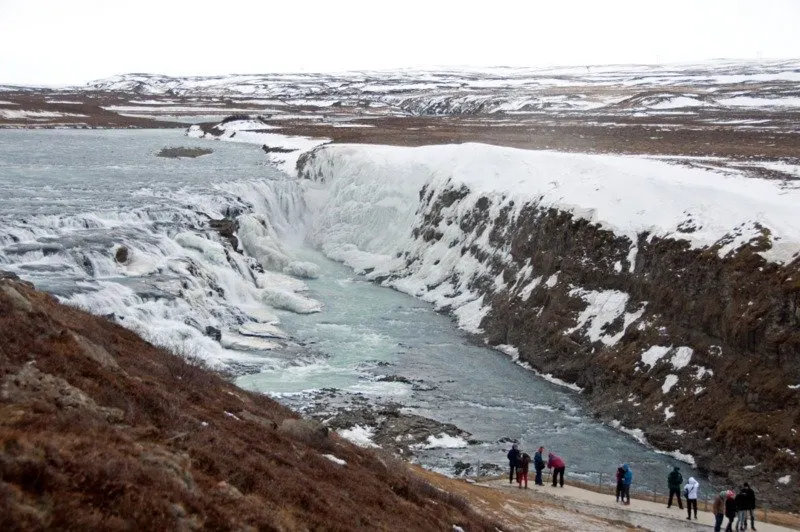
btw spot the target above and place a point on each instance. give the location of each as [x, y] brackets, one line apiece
[735, 505]
[691, 490]
[624, 481]
[726, 504]
[519, 463]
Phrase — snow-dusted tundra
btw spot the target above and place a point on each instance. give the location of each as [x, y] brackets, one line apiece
[668, 293]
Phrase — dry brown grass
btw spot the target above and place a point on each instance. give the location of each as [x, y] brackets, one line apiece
[185, 449]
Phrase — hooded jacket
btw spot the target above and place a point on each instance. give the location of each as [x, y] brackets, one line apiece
[524, 462]
[675, 479]
[627, 478]
[691, 488]
[553, 460]
[718, 507]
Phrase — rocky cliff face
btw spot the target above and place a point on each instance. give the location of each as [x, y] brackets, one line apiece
[699, 351]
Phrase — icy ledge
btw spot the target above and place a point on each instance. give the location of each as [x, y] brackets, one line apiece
[626, 194]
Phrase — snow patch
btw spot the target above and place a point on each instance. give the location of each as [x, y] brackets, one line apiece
[602, 309]
[638, 435]
[654, 354]
[263, 330]
[677, 455]
[471, 314]
[682, 357]
[305, 270]
[785, 479]
[247, 343]
[23, 114]
[669, 382]
[359, 435]
[442, 441]
[702, 372]
[334, 459]
[525, 293]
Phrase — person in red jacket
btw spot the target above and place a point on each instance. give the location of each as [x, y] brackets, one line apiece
[558, 466]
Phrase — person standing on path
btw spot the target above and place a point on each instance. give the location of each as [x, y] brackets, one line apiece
[522, 472]
[620, 475]
[627, 480]
[741, 509]
[718, 509]
[691, 490]
[674, 481]
[558, 466]
[513, 462]
[730, 509]
[750, 506]
[538, 465]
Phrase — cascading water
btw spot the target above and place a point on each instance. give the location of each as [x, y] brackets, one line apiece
[74, 200]
[99, 221]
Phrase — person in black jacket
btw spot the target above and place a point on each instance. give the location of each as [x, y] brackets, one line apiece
[513, 462]
[730, 510]
[620, 483]
[750, 506]
[674, 481]
[741, 509]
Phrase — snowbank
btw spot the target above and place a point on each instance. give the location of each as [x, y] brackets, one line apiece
[442, 441]
[361, 436]
[367, 201]
[371, 187]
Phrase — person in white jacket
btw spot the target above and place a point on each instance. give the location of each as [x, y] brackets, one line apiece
[691, 490]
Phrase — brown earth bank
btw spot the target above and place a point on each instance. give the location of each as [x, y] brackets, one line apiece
[101, 430]
[733, 405]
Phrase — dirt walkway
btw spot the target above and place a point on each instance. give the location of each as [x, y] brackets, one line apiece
[640, 513]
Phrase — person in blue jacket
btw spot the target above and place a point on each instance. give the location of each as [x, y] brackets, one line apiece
[513, 461]
[538, 465]
[627, 480]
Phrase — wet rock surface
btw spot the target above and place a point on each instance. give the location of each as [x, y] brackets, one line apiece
[393, 428]
[183, 152]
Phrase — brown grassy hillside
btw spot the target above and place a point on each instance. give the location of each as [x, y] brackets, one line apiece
[101, 430]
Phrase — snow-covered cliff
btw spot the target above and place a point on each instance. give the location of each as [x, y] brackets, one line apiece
[669, 294]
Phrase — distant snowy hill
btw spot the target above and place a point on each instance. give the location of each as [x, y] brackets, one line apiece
[493, 90]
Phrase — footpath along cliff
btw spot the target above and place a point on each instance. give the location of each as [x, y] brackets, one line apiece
[669, 295]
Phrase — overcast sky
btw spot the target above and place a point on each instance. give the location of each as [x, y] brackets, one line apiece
[74, 41]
